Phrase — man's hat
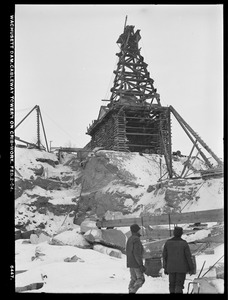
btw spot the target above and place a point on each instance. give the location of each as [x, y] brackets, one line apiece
[135, 228]
[178, 231]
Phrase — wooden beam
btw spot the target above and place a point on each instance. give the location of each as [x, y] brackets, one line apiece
[186, 127]
[68, 149]
[28, 143]
[138, 133]
[26, 116]
[161, 233]
[170, 143]
[213, 215]
[139, 118]
[146, 146]
[187, 161]
[145, 128]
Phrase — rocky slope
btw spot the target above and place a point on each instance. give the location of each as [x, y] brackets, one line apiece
[50, 195]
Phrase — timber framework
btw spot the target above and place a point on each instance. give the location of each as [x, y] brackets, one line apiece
[134, 119]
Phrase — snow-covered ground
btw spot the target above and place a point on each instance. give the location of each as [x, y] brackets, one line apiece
[93, 272]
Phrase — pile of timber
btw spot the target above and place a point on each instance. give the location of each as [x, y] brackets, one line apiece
[212, 173]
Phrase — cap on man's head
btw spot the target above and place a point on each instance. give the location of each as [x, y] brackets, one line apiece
[178, 231]
[135, 228]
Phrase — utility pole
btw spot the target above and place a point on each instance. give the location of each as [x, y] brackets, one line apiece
[50, 145]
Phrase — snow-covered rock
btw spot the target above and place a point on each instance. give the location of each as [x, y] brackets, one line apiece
[111, 185]
[93, 235]
[107, 250]
[88, 224]
[71, 238]
[37, 239]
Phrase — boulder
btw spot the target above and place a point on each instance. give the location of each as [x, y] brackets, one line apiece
[39, 252]
[37, 239]
[27, 234]
[34, 238]
[49, 161]
[109, 251]
[21, 185]
[88, 224]
[74, 258]
[109, 237]
[93, 235]
[17, 234]
[204, 286]
[114, 237]
[71, 238]
[29, 287]
[38, 171]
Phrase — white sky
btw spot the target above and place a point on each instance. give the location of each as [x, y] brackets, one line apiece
[65, 57]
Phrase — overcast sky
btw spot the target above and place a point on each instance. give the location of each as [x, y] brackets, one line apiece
[65, 57]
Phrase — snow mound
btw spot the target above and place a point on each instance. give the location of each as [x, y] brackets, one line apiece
[71, 238]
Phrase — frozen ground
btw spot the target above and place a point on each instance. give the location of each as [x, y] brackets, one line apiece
[93, 272]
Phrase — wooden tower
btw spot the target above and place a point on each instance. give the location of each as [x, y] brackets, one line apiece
[132, 80]
[134, 119]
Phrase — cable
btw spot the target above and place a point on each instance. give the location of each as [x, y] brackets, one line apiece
[23, 109]
[193, 196]
[58, 125]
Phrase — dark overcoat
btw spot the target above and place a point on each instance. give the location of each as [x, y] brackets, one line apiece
[134, 251]
[177, 256]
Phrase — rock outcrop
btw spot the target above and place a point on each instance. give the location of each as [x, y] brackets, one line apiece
[67, 193]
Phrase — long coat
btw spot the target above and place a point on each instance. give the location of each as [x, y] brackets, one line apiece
[177, 256]
[134, 251]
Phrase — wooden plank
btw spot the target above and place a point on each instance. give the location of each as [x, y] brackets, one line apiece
[138, 127]
[214, 215]
[161, 233]
[140, 133]
[147, 146]
[28, 143]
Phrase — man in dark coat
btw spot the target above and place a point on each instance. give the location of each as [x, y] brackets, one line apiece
[134, 252]
[177, 261]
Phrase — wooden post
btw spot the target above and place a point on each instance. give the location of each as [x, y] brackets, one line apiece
[43, 130]
[38, 127]
[185, 166]
[187, 127]
[169, 143]
[26, 116]
[160, 164]
[125, 23]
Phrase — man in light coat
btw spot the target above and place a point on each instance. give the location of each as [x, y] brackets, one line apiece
[134, 252]
[177, 261]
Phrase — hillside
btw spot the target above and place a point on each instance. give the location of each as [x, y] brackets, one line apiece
[105, 182]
